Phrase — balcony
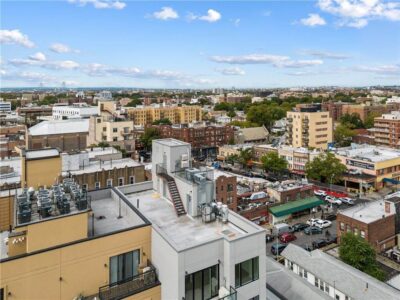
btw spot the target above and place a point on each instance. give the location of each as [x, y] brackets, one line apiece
[136, 284]
[124, 133]
[232, 295]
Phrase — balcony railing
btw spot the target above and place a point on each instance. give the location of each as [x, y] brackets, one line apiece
[130, 286]
[232, 295]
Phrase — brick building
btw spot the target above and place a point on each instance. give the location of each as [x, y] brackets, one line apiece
[65, 135]
[11, 136]
[204, 139]
[226, 191]
[387, 130]
[334, 108]
[289, 190]
[374, 222]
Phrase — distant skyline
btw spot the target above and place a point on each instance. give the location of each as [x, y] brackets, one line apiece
[199, 44]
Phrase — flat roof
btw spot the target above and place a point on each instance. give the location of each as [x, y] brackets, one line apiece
[59, 127]
[98, 165]
[367, 212]
[336, 273]
[171, 142]
[295, 206]
[15, 175]
[185, 231]
[368, 153]
[42, 153]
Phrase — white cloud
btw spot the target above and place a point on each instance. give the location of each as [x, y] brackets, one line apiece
[250, 59]
[236, 22]
[62, 48]
[28, 77]
[380, 69]
[324, 54]
[211, 16]
[39, 56]
[313, 20]
[15, 37]
[357, 13]
[53, 65]
[101, 4]
[231, 71]
[299, 63]
[166, 13]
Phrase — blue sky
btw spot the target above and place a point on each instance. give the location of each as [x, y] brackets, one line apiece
[200, 44]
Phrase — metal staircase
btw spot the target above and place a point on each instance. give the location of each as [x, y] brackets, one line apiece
[173, 191]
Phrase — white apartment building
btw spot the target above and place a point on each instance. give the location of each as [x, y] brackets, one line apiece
[5, 107]
[200, 249]
[75, 111]
[335, 278]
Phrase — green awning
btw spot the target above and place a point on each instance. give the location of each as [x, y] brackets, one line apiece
[295, 206]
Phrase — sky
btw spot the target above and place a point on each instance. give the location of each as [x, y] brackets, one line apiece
[199, 44]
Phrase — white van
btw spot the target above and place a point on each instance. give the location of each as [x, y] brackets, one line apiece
[281, 228]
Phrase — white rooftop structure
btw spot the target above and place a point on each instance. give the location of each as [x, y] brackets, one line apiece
[60, 127]
[367, 212]
[343, 281]
[368, 153]
[42, 153]
[394, 115]
[13, 173]
[75, 111]
[98, 165]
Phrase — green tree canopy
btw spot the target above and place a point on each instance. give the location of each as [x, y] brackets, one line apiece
[162, 121]
[231, 114]
[245, 156]
[343, 135]
[370, 119]
[148, 136]
[353, 121]
[272, 162]
[358, 253]
[265, 114]
[134, 102]
[325, 168]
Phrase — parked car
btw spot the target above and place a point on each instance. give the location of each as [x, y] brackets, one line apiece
[269, 238]
[278, 229]
[333, 200]
[319, 193]
[307, 247]
[347, 200]
[330, 217]
[287, 237]
[312, 230]
[277, 249]
[319, 243]
[312, 222]
[323, 224]
[332, 239]
[299, 226]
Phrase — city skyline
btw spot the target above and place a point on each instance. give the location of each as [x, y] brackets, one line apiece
[93, 43]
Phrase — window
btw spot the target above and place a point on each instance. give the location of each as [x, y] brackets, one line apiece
[326, 288]
[337, 297]
[104, 128]
[362, 234]
[316, 283]
[121, 181]
[109, 182]
[246, 272]
[115, 129]
[124, 266]
[202, 284]
[229, 200]
[355, 231]
[84, 187]
[115, 139]
[97, 185]
[230, 187]
[255, 298]
[2, 294]
[131, 179]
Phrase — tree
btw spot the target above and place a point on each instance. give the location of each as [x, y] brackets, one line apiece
[352, 121]
[265, 114]
[163, 121]
[231, 114]
[343, 135]
[103, 144]
[148, 136]
[272, 162]
[245, 156]
[358, 253]
[370, 119]
[243, 124]
[325, 168]
[134, 102]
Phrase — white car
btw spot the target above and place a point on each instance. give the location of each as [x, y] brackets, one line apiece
[323, 224]
[333, 200]
[312, 222]
[319, 193]
[347, 200]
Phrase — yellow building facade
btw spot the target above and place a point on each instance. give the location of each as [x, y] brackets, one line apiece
[176, 114]
[309, 129]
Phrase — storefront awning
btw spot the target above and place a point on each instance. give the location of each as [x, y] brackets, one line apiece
[295, 206]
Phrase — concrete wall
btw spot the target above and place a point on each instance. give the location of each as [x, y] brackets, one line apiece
[40, 172]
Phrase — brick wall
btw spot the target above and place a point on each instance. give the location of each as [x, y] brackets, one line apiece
[226, 189]
[63, 142]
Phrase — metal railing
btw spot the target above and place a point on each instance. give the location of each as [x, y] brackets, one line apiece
[232, 295]
[130, 286]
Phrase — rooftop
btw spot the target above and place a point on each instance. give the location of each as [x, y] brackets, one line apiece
[171, 142]
[13, 174]
[289, 285]
[42, 153]
[367, 212]
[352, 282]
[368, 153]
[60, 127]
[185, 231]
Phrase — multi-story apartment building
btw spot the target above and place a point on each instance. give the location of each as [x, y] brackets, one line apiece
[204, 139]
[374, 222]
[335, 109]
[109, 129]
[364, 110]
[5, 107]
[226, 191]
[146, 115]
[77, 246]
[11, 136]
[369, 166]
[75, 111]
[336, 279]
[65, 135]
[309, 129]
[387, 130]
